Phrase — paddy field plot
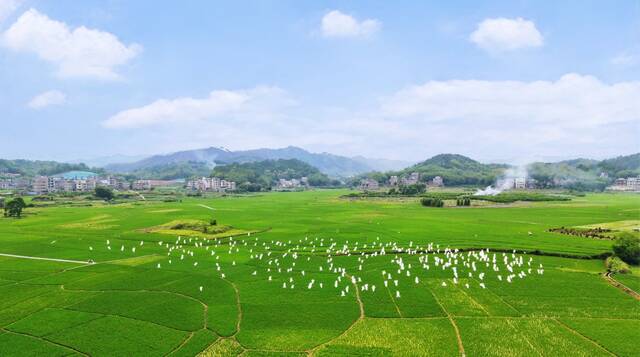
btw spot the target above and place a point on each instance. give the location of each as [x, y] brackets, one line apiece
[311, 273]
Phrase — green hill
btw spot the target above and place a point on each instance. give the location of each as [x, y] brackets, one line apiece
[261, 175]
[455, 169]
[584, 174]
[173, 170]
[32, 168]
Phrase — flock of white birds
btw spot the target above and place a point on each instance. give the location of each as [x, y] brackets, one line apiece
[277, 261]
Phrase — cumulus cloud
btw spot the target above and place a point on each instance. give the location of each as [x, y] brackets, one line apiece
[505, 121]
[7, 7]
[572, 100]
[52, 97]
[501, 34]
[78, 52]
[257, 103]
[338, 24]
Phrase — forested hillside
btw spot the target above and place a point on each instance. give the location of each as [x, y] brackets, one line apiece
[261, 175]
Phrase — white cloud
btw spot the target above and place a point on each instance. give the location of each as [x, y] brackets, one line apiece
[625, 59]
[79, 52]
[505, 121]
[52, 97]
[258, 104]
[501, 34]
[338, 24]
[7, 7]
[573, 100]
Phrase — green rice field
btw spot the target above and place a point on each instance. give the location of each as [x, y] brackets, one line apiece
[311, 273]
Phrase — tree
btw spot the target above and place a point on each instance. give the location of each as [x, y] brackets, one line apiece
[104, 193]
[627, 248]
[14, 207]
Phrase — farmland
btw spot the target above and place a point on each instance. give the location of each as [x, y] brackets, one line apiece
[298, 278]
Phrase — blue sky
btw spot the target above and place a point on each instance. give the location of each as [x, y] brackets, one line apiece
[498, 80]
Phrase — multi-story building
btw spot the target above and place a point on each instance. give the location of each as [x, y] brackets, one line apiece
[393, 180]
[40, 184]
[626, 184]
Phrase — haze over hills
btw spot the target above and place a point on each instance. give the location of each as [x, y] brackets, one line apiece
[455, 169]
[580, 174]
[330, 164]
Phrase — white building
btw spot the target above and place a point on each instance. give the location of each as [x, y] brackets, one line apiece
[437, 181]
[214, 184]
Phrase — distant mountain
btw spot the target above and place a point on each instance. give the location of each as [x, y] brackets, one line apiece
[333, 165]
[173, 170]
[383, 164]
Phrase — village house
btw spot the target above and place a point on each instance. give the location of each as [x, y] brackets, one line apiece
[284, 184]
[412, 179]
[626, 184]
[369, 185]
[146, 185]
[213, 184]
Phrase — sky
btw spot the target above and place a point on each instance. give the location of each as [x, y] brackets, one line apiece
[498, 81]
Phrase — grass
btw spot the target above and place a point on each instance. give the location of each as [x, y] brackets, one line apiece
[168, 296]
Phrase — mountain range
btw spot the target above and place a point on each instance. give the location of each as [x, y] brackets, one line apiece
[329, 164]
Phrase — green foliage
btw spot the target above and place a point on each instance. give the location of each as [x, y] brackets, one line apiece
[14, 207]
[410, 190]
[261, 175]
[456, 170]
[616, 265]
[104, 193]
[444, 195]
[463, 201]
[583, 174]
[129, 307]
[431, 202]
[508, 197]
[46, 168]
[627, 247]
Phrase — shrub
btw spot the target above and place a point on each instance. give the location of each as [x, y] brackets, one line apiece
[616, 265]
[431, 202]
[627, 248]
[14, 207]
[104, 193]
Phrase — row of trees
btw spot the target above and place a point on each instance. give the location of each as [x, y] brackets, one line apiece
[463, 201]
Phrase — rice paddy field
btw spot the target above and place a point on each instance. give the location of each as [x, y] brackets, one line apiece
[311, 273]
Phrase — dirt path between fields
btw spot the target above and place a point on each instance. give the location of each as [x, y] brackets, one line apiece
[453, 323]
[41, 258]
[207, 207]
[618, 285]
